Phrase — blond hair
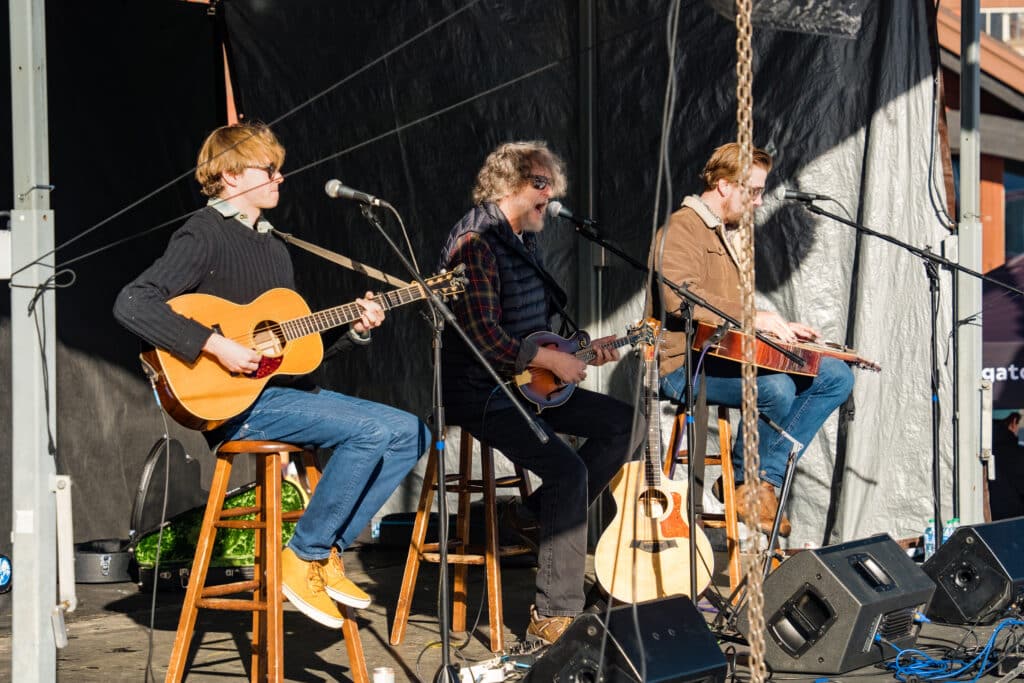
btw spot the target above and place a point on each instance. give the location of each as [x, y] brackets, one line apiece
[232, 149]
[508, 168]
[725, 164]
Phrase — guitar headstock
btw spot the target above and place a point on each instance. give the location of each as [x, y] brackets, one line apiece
[448, 284]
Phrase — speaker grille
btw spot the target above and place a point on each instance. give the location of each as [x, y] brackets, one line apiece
[897, 624]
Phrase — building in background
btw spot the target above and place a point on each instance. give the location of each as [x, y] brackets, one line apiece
[1002, 119]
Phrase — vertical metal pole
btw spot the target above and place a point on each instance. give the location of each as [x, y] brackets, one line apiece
[591, 256]
[33, 350]
[968, 486]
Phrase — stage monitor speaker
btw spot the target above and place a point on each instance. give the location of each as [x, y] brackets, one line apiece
[675, 644]
[824, 607]
[979, 572]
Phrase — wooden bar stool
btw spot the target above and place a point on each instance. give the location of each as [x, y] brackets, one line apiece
[461, 553]
[677, 453]
[267, 598]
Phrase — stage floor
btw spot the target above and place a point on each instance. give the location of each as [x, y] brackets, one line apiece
[109, 635]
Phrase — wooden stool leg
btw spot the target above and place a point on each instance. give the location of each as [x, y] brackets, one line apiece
[272, 566]
[492, 559]
[732, 529]
[354, 646]
[675, 442]
[412, 561]
[350, 629]
[525, 487]
[258, 670]
[460, 583]
[200, 565]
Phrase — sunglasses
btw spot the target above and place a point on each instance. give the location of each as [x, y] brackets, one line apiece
[270, 169]
[540, 182]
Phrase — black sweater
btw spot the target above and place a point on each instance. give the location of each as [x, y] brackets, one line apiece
[210, 254]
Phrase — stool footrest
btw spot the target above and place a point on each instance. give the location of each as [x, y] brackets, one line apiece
[229, 513]
[455, 558]
[230, 588]
[240, 524]
[232, 604]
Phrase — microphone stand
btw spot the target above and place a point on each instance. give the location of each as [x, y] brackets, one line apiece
[688, 301]
[447, 673]
[931, 262]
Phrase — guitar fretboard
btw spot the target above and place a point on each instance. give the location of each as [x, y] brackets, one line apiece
[652, 457]
[346, 313]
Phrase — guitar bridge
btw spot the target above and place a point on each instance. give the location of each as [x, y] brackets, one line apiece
[653, 546]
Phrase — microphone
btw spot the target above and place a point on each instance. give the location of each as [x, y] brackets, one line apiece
[335, 189]
[556, 210]
[783, 193]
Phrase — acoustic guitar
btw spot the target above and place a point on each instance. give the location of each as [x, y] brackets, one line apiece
[542, 388]
[279, 325]
[645, 552]
[730, 346]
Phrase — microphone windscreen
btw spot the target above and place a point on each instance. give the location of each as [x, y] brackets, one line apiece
[333, 188]
[554, 208]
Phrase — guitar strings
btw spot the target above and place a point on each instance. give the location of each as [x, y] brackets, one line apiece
[329, 318]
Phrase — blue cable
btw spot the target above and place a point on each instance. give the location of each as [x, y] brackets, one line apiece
[925, 667]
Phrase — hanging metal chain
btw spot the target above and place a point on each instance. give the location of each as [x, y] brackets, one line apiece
[751, 461]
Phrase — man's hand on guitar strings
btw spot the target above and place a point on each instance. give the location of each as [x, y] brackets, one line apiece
[804, 332]
[373, 314]
[232, 355]
[604, 353]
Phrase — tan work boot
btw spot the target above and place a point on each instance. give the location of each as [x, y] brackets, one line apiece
[302, 583]
[768, 505]
[339, 586]
[546, 629]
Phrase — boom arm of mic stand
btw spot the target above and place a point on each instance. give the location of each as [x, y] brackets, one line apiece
[682, 291]
[922, 253]
[446, 312]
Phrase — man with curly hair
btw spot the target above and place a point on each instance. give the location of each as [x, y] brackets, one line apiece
[228, 249]
[509, 296]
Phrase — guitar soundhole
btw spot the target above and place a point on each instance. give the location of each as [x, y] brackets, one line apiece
[268, 339]
[653, 503]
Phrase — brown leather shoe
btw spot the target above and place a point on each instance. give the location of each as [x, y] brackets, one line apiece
[768, 505]
[546, 629]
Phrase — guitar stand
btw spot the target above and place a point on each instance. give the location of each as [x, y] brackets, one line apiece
[729, 608]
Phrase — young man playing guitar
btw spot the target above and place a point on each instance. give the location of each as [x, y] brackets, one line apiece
[509, 296]
[228, 250]
[697, 249]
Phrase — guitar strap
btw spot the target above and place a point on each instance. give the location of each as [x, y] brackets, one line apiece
[557, 297]
[344, 261]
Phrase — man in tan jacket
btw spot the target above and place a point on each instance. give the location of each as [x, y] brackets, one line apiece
[698, 248]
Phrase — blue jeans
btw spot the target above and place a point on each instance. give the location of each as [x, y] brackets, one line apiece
[571, 481]
[800, 405]
[374, 446]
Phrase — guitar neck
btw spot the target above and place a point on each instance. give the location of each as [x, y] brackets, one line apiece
[330, 318]
[652, 456]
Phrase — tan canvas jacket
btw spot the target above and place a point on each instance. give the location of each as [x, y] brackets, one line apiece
[696, 253]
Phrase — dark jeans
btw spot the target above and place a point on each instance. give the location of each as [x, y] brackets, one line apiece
[571, 481]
